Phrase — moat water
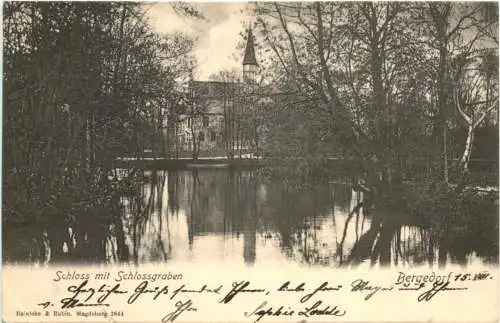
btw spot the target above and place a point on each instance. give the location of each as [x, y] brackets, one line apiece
[204, 216]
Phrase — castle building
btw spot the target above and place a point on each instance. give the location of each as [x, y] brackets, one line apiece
[219, 117]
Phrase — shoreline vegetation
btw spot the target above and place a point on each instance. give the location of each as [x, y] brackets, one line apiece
[447, 211]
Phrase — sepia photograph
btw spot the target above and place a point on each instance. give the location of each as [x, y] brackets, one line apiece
[316, 134]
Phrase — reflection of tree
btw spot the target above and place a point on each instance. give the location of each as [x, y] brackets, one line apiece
[304, 220]
[228, 202]
[343, 194]
[145, 201]
[223, 202]
[219, 201]
[383, 245]
[159, 237]
[340, 247]
[392, 238]
[193, 203]
[122, 251]
[249, 237]
[173, 189]
[295, 213]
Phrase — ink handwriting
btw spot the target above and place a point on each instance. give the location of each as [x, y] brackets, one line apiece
[307, 300]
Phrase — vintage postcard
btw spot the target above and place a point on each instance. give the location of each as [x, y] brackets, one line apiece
[250, 162]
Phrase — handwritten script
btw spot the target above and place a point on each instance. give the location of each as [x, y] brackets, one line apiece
[289, 299]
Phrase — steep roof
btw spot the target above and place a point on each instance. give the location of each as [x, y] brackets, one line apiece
[249, 58]
[213, 89]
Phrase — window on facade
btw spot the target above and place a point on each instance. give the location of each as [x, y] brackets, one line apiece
[200, 89]
[205, 121]
[213, 135]
[201, 136]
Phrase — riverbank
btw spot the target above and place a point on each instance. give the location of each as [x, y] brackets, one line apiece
[450, 214]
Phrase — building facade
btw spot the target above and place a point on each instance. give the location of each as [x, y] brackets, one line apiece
[220, 117]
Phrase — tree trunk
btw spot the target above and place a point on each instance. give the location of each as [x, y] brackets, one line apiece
[440, 20]
[445, 152]
[464, 161]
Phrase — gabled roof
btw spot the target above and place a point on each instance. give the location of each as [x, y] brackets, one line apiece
[214, 89]
[249, 58]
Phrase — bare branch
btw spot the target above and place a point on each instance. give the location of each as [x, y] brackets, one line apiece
[459, 26]
[485, 113]
[292, 46]
[467, 119]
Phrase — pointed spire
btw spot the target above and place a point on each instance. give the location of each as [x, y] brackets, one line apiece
[249, 58]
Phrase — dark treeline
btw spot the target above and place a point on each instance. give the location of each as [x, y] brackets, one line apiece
[82, 82]
[401, 88]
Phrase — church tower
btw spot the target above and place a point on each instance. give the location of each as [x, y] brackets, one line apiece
[250, 65]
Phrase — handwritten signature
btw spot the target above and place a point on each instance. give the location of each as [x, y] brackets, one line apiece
[180, 307]
[317, 309]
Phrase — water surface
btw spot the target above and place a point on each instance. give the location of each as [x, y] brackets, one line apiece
[226, 216]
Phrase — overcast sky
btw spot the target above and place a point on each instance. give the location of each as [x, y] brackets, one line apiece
[217, 36]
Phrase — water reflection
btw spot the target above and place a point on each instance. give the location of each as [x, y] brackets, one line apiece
[232, 216]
